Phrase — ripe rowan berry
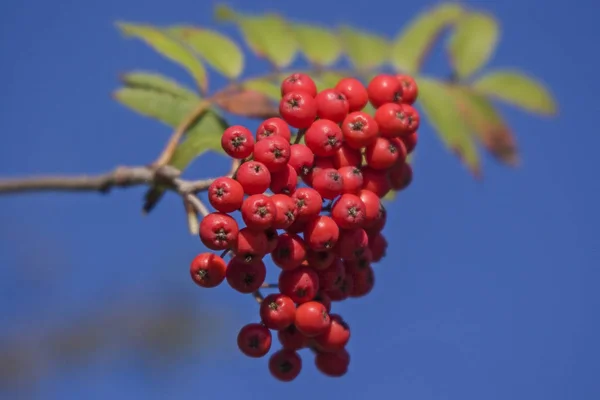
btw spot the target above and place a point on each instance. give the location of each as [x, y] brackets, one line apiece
[254, 177]
[410, 141]
[312, 318]
[319, 164]
[319, 260]
[277, 311]
[301, 159]
[324, 299]
[290, 251]
[245, 277]
[372, 206]
[225, 194]
[308, 202]
[273, 152]
[359, 129]
[396, 119]
[359, 263]
[272, 238]
[384, 89]
[346, 156]
[352, 180]
[329, 183]
[298, 225]
[285, 365]
[298, 109]
[363, 281]
[291, 338]
[411, 119]
[323, 137]
[301, 284]
[352, 243]
[334, 365]
[342, 292]
[378, 246]
[321, 233]
[251, 245]
[254, 340]
[376, 181]
[348, 211]
[378, 224]
[410, 90]
[332, 105]
[286, 211]
[284, 181]
[237, 141]
[355, 93]
[208, 270]
[383, 153]
[273, 127]
[335, 337]
[218, 231]
[400, 176]
[258, 212]
[298, 82]
[333, 276]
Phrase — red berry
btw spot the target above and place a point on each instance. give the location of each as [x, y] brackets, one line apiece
[348, 211]
[277, 311]
[378, 246]
[225, 194]
[397, 119]
[372, 206]
[273, 127]
[324, 299]
[328, 182]
[383, 153]
[285, 365]
[254, 177]
[363, 281]
[286, 211]
[324, 137]
[291, 338]
[352, 243]
[376, 181]
[342, 292]
[273, 152]
[359, 129]
[320, 163]
[298, 109]
[321, 233]
[352, 180]
[251, 245]
[410, 141]
[237, 141]
[272, 237]
[312, 318]
[400, 176]
[359, 263]
[297, 226]
[332, 105]
[335, 337]
[346, 156]
[254, 340]
[301, 159]
[410, 90]
[410, 119]
[333, 365]
[320, 260]
[218, 231]
[208, 270]
[284, 181]
[245, 277]
[298, 82]
[384, 89]
[332, 277]
[379, 223]
[308, 202]
[290, 251]
[355, 93]
[259, 212]
[301, 284]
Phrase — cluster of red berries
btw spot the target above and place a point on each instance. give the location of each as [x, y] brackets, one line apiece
[322, 223]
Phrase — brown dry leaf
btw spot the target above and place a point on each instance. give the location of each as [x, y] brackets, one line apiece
[249, 103]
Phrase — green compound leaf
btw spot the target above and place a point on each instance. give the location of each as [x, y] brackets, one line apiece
[264, 86]
[268, 35]
[443, 113]
[487, 125]
[412, 45]
[159, 83]
[169, 48]
[219, 51]
[365, 50]
[473, 43]
[517, 89]
[320, 46]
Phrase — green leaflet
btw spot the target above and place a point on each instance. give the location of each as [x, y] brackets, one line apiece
[168, 48]
[320, 46]
[157, 82]
[219, 51]
[365, 50]
[517, 89]
[413, 43]
[473, 42]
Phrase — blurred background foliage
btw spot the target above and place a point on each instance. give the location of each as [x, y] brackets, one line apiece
[462, 107]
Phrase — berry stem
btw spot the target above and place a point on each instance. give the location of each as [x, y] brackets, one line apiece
[270, 286]
[258, 296]
[225, 252]
[299, 135]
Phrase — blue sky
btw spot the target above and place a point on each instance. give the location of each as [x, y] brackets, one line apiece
[489, 290]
